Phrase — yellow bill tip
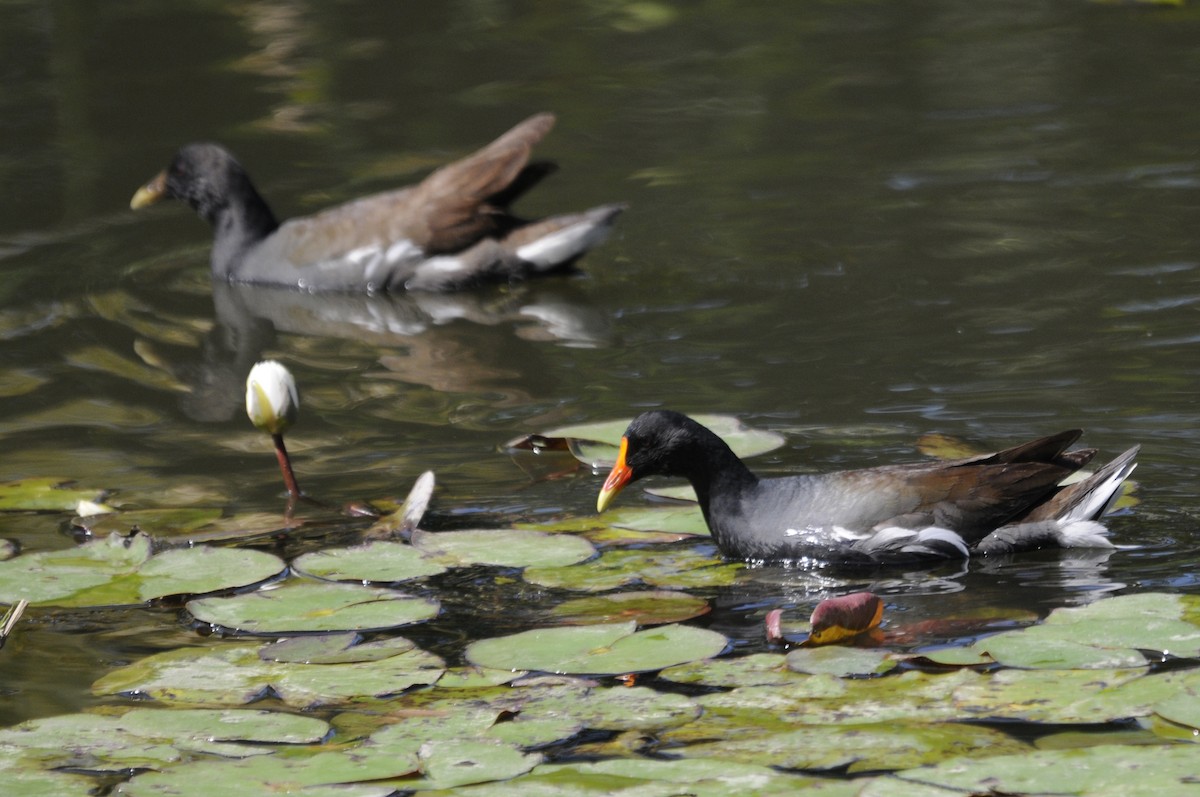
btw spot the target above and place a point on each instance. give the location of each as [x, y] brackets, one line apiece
[150, 193]
[618, 477]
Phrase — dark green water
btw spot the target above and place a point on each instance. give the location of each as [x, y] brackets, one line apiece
[851, 222]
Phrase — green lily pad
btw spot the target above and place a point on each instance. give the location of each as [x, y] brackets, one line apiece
[538, 732]
[1041, 650]
[21, 781]
[302, 607]
[471, 677]
[860, 747]
[687, 520]
[44, 495]
[650, 778]
[333, 649]
[154, 737]
[450, 763]
[595, 444]
[235, 674]
[607, 649]
[374, 562]
[644, 608]
[1129, 771]
[342, 773]
[504, 547]
[757, 669]
[839, 660]
[676, 567]
[581, 701]
[194, 571]
[119, 570]
[1182, 709]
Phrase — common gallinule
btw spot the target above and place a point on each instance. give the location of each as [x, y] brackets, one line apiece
[1005, 502]
[452, 230]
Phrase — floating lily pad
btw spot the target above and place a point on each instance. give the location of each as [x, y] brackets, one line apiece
[235, 674]
[475, 677]
[595, 444]
[673, 567]
[333, 649]
[1037, 650]
[300, 607]
[121, 570]
[44, 495]
[839, 660]
[504, 547]
[607, 649]
[859, 747]
[374, 562]
[653, 778]
[688, 520]
[21, 781]
[1109, 770]
[342, 773]
[154, 737]
[644, 608]
[616, 708]
[450, 763]
[758, 669]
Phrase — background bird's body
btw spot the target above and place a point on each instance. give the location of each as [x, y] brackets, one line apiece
[452, 230]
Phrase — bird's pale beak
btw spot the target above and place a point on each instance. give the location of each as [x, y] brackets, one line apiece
[150, 193]
[618, 477]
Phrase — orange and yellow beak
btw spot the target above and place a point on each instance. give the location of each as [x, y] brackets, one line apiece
[618, 477]
[150, 193]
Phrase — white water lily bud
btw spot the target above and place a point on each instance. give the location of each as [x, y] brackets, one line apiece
[271, 398]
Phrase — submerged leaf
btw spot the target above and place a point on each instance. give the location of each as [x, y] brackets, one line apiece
[44, 495]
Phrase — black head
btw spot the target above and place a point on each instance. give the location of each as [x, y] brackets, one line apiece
[664, 443]
[209, 179]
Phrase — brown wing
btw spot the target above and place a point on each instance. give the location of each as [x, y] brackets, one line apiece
[453, 201]
[973, 496]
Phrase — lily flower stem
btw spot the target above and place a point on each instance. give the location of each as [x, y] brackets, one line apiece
[285, 466]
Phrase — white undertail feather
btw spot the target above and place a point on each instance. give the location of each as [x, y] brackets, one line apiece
[1084, 534]
[1102, 497]
[931, 541]
[561, 246]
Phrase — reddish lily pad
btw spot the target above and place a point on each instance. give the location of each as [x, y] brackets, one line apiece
[839, 619]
